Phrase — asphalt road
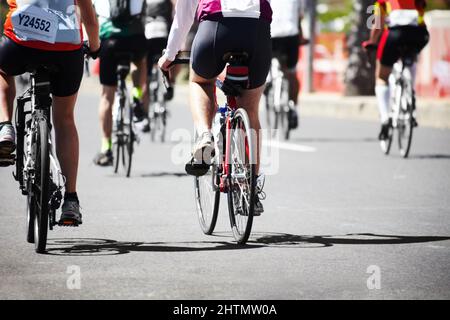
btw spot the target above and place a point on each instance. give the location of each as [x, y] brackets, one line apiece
[342, 221]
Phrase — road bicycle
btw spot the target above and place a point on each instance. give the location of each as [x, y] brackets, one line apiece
[158, 109]
[277, 99]
[233, 167]
[124, 131]
[403, 104]
[37, 168]
[402, 101]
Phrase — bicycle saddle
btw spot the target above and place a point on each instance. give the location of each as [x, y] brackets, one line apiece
[41, 68]
[237, 73]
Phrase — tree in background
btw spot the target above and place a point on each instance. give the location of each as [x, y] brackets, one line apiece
[360, 73]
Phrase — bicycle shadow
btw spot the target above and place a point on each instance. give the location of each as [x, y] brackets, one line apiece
[101, 247]
[334, 140]
[291, 240]
[430, 156]
[162, 174]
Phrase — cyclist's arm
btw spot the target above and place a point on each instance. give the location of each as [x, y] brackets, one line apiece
[379, 23]
[182, 22]
[89, 19]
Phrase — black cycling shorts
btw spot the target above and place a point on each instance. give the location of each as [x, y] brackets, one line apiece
[155, 48]
[15, 59]
[216, 38]
[114, 50]
[286, 48]
[414, 38]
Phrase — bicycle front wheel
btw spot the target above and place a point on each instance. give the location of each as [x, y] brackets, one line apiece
[405, 133]
[40, 187]
[207, 197]
[241, 176]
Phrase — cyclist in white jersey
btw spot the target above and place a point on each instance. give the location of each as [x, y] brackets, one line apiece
[225, 25]
[287, 35]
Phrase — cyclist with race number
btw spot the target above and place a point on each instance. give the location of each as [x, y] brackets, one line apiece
[48, 33]
[121, 33]
[224, 26]
[287, 36]
[400, 24]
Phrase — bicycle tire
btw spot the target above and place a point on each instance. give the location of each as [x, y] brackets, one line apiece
[406, 126]
[207, 206]
[245, 211]
[386, 144]
[129, 147]
[41, 184]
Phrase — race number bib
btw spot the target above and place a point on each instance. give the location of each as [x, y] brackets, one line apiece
[34, 23]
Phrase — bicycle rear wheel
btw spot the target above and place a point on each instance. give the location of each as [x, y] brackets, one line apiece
[129, 136]
[39, 202]
[242, 176]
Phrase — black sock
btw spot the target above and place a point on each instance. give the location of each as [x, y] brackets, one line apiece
[72, 196]
[5, 122]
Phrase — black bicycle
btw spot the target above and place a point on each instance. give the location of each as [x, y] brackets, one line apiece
[37, 168]
[124, 133]
[158, 108]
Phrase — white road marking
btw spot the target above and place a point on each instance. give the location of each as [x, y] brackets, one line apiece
[288, 146]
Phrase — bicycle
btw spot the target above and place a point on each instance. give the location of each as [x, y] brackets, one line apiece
[277, 98]
[157, 109]
[124, 132]
[402, 103]
[37, 168]
[233, 167]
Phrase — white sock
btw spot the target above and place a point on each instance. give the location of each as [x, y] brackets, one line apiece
[383, 96]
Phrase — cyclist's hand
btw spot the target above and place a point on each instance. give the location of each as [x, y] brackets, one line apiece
[164, 63]
[368, 45]
[91, 52]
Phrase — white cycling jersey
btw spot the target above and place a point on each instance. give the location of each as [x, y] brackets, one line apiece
[286, 17]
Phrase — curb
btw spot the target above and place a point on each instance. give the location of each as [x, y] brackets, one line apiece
[433, 113]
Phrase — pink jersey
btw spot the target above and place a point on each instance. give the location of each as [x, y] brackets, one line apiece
[216, 9]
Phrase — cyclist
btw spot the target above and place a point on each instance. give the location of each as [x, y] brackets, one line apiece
[400, 23]
[158, 18]
[24, 44]
[121, 32]
[287, 35]
[224, 27]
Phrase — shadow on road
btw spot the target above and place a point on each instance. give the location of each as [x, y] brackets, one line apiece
[100, 247]
[430, 156]
[333, 140]
[164, 174]
[291, 240]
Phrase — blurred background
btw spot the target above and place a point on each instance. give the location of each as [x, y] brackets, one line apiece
[337, 63]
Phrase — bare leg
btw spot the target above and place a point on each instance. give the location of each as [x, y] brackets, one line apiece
[250, 102]
[67, 144]
[7, 95]
[105, 110]
[382, 90]
[203, 105]
[294, 85]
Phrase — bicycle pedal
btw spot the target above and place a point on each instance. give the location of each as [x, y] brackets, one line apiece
[68, 223]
